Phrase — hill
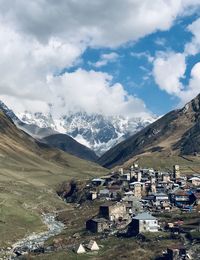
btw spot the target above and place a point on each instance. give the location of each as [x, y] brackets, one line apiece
[29, 175]
[71, 146]
[49, 136]
[174, 135]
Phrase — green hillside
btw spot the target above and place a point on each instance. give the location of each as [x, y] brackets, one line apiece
[29, 175]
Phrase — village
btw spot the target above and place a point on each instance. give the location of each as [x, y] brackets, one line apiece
[139, 206]
[132, 203]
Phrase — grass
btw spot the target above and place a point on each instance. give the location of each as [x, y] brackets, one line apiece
[188, 164]
[28, 187]
[110, 247]
[115, 248]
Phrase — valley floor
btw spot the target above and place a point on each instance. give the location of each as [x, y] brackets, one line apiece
[27, 192]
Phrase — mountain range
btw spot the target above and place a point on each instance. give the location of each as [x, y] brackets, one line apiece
[50, 137]
[175, 134]
[79, 134]
[97, 132]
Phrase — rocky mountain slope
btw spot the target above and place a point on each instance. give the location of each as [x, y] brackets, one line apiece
[176, 133]
[69, 145]
[95, 131]
[49, 136]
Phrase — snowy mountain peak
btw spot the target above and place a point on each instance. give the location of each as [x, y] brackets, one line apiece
[95, 131]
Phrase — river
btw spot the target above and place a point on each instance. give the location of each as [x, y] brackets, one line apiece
[36, 241]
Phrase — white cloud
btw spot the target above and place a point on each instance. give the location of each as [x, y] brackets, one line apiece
[28, 81]
[193, 47]
[100, 22]
[39, 38]
[94, 92]
[168, 69]
[105, 59]
[193, 88]
[160, 41]
[143, 55]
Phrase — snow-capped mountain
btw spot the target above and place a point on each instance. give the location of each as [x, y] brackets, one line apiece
[95, 131]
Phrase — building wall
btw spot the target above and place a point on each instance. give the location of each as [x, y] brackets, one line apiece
[117, 211]
[148, 226]
[96, 227]
[138, 191]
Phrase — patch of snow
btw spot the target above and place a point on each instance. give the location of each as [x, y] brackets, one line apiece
[95, 131]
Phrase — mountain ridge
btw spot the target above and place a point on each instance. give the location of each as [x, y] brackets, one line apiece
[95, 131]
[68, 145]
[165, 136]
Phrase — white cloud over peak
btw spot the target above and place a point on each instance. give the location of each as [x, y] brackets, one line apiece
[81, 90]
[93, 91]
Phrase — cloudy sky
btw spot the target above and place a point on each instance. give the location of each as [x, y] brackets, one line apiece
[113, 57]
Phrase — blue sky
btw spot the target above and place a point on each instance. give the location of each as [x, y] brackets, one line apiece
[134, 70]
[132, 58]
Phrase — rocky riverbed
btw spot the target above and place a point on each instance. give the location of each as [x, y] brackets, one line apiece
[35, 242]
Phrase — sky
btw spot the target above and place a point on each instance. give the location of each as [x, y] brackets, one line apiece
[132, 58]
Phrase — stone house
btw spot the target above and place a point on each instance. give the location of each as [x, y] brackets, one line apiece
[195, 181]
[166, 177]
[136, 187]
[113, 211]
[104, 193]
[97, 225]
[143, 222]
[133, 204]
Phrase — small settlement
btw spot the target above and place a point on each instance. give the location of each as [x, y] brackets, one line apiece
[130, 197]
[140, 203]
[133, 199]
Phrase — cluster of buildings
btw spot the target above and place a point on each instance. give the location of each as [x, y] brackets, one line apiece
[129, 198]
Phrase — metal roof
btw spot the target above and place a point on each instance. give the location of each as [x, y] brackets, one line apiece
[144, 216]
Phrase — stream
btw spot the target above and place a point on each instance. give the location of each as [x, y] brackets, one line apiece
[35, 241]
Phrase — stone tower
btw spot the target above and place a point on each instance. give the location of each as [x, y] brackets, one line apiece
[138, 190]
[139, 176]
[176, 171]
[153, 184]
